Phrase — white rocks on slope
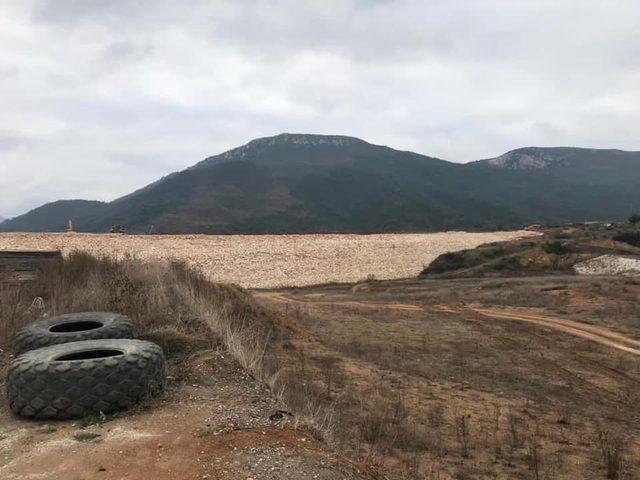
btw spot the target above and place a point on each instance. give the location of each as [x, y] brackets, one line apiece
[609, 265]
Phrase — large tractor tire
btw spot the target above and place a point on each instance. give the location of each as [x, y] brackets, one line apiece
[74, 327]
[77, 379]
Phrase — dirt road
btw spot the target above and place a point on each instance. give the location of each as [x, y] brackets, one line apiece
[598, 334]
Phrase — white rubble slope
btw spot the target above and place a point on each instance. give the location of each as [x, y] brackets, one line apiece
[609, 265]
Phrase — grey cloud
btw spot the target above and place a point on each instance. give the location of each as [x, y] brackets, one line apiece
[125, 51]
[68, 12]
[10, 141]
[101, 97]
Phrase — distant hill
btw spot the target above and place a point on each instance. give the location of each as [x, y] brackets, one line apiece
[298, 182]
[53, 217]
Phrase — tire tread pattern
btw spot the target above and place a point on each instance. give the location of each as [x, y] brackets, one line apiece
[42, 389]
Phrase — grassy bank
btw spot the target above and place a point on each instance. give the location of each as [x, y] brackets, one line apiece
[174, 306]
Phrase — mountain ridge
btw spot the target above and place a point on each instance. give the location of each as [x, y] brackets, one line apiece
[543, 157]
[309, 182]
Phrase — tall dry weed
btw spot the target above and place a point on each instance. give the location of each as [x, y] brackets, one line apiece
[172, 304]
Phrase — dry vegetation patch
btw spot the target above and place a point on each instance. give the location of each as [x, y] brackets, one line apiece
[197, 323]
[458, 379]
[560, 250]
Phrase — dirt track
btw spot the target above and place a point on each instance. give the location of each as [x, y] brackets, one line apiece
[597, 334]
[601, 335]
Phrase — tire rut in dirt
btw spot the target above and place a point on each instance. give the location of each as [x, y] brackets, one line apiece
[73, 327]
[82, 378]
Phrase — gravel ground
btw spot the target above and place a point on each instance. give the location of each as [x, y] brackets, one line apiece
[214, 426]
[266, 261]
[609, 265]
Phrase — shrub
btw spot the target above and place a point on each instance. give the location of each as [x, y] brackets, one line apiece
[463, 435]
[449, 261]
[632, 238]
[86, 436]
[507, 263]
[634, 218]
[612, 446]
[464, 259]
[555, 248]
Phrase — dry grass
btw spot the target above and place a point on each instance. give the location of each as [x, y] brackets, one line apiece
[174, 306]
[421, 396]
[169, 303]
[155, 295]
[428, 394]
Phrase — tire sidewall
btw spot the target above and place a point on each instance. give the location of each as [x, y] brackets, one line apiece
[38, 334]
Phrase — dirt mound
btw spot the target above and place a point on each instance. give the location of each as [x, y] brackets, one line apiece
[557, 251]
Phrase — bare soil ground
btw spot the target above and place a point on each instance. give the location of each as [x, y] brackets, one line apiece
[264, 261]
[212, 423]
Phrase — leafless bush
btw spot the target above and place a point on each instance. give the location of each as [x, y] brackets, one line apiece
[515, 434]
[565, 414]
[384, 424]
[463, 434]
[436, 415]
[463, 472]
[376, 422]
[329, 366]
[495, 430]
[534, 457]
[612, 450]
[307, 399]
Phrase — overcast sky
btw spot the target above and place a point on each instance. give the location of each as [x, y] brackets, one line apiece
[99, 97]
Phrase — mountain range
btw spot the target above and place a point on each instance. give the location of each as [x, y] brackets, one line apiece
[302, 183]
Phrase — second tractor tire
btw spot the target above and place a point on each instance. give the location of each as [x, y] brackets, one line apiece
[73, 327]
